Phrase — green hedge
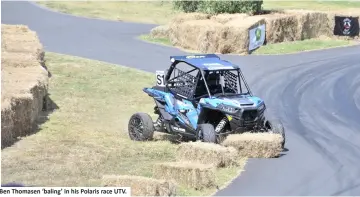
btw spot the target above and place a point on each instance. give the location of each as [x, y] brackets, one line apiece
[187, 6]
[219, 7]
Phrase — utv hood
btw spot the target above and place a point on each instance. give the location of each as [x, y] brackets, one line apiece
[240, 102]
[245, 101]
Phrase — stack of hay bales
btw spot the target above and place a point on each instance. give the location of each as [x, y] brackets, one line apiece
[193, 175]
[200, 35]
[141, 186]
[197, 163]
[255, 145]
[228, 33]
[208, 154]
[24, 82]
[165, 31]
[224, 18]
[235, 34]
[222, 33]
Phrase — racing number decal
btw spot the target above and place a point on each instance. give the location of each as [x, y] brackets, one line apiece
[160, 78]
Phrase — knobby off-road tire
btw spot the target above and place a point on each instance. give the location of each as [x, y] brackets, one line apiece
[274, 125]
[141, 127]
[206, 133]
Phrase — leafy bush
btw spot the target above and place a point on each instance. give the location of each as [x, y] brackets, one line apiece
[187, 6]
[219, 7]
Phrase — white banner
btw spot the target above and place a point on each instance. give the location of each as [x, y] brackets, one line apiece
[256, 37]
[65, 191]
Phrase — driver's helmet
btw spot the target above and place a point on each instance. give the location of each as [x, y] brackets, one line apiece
[213, 79]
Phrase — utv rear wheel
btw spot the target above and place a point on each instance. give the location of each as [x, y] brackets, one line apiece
[206, 133]
[275, 126]
[141, 127]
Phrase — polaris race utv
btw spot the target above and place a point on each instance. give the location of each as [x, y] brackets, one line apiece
[202, 97]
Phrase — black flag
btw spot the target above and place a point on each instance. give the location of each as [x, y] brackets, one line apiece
[346, 26]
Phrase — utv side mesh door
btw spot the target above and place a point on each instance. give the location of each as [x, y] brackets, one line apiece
[183, 80]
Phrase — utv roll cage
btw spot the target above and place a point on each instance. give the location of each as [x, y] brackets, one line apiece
[185, 85]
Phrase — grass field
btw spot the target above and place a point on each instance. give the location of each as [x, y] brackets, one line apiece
[156, 12]
[161, 12]
[312, 5]
[87, 136]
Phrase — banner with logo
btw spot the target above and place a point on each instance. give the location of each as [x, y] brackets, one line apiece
[257, 37]
[346, 26]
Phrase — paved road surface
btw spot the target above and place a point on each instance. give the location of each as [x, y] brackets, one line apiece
[317, 94]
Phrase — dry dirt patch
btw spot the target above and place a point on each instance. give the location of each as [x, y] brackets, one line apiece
[24, 82]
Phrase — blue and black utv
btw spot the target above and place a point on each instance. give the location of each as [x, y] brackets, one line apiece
[202, 97]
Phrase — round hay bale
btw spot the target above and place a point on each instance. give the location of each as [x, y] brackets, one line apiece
[161, 31]
[208, 153]
[255, 145]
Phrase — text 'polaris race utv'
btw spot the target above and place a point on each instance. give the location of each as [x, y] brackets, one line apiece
[202, 97]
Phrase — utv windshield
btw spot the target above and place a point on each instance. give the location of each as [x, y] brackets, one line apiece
[225, 82]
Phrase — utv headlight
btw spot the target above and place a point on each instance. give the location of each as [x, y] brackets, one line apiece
[261, 107]
[227, 108]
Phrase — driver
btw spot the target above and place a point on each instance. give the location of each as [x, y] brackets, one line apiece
[213, 81]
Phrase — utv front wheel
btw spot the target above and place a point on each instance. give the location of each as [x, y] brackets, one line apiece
[206, 133]
[141, 127]
[275, 126]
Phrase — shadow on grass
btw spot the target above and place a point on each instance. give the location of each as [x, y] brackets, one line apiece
[49, 106]
[174, 139]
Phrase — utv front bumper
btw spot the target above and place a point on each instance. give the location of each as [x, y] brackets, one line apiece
[246, 119]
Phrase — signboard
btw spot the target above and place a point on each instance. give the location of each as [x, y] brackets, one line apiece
[160, 78]
[346, 26]
[256, 37]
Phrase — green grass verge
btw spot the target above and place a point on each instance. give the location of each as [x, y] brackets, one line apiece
[299, 46]
[278, 48]
[161, 12]
[148, 38]
[87, 136]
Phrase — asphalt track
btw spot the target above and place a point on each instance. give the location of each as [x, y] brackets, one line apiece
[316, 94]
